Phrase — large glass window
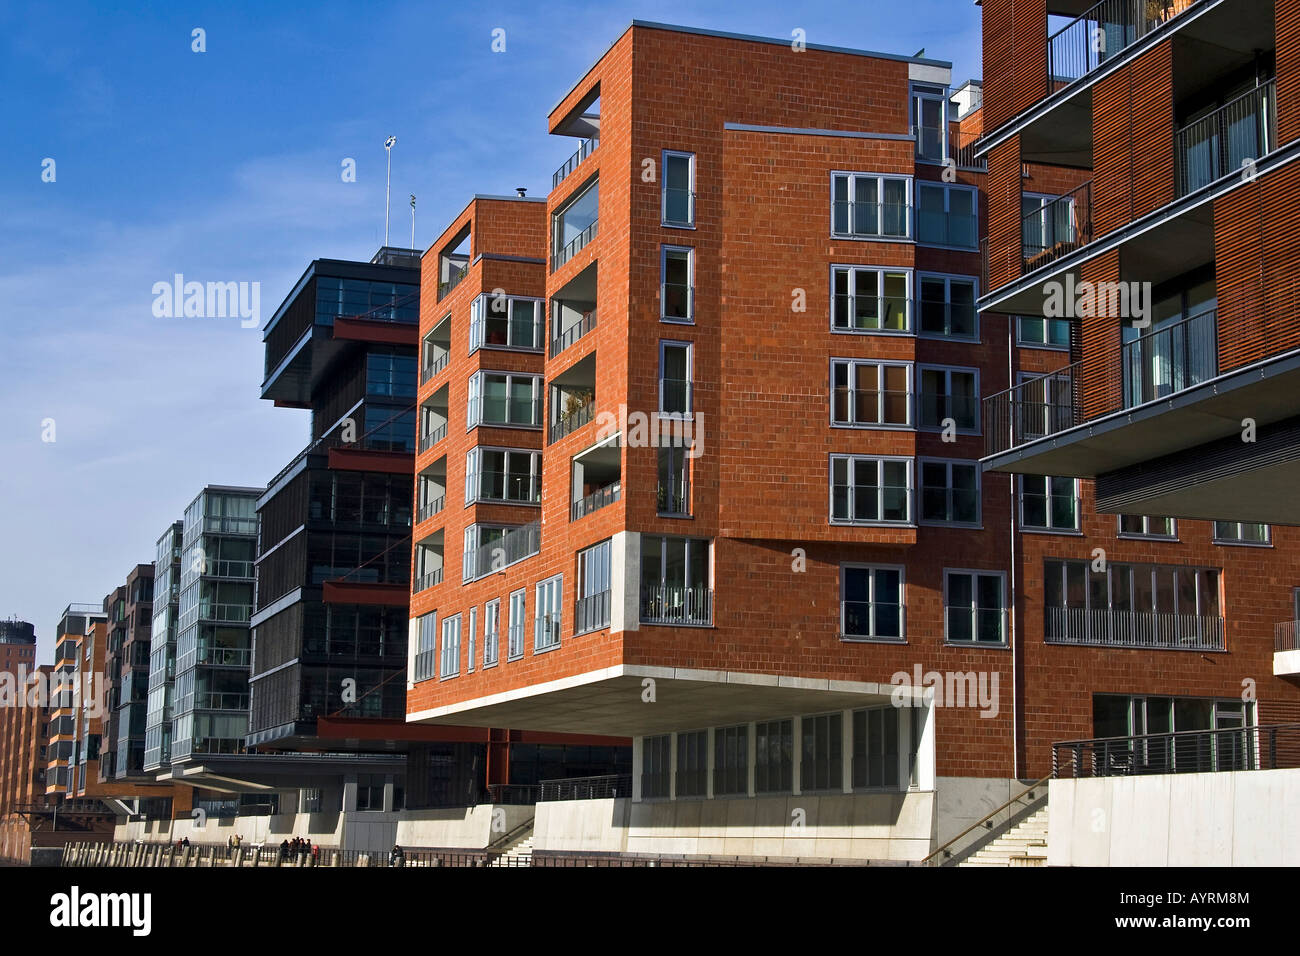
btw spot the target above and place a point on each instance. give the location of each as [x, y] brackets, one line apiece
[451, 646]
[675, 580]
[731, 761]
[502, 321]
[945, 215]
[692, 763]
[867, 205]
[390, 376]
[866, 299]
[870, 393]
[821, 763]
[503, 474]
[774, 756]
[499, 398]
[656, 767]
[975, 607]
[876, 749]
[1048, 503]
[871, 490]
[871, 603]
[1240, 532]
[593, 588]
[946, 307]
[950, 491]
[949, 393]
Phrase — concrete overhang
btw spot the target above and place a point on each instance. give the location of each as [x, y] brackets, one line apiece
[258, 773]
[1286, 663]
[616, 701]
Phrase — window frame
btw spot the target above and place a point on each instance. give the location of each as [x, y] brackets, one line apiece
[449, 653]
[1023, 526]
[476, 398]
[664, 249]
[948, 370]
[664, 345]
[1003, 610]
[880, 364]
[880, 460]
[974, 464]
[1024, 343]
[1145, 534]
[1239, 542]
[478, 312]
[874, 638]
[664, 155]
[880, 178]
[948, 279]
[515, 624]
[909, 295]
[491, 633]
[948, 190]
[553, 590]
[474, 473]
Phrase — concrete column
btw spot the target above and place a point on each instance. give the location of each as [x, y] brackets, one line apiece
[846, 755]
[625, 582]
[796, 756]
[350, 793]
[638, 758]
[751, 746]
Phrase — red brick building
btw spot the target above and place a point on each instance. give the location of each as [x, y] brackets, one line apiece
[769, 252]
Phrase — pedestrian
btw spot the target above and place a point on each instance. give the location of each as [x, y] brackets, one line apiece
[284, 851]
[315, 854]
[397, 857]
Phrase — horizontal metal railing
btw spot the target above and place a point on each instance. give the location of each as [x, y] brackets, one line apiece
[1286, 636]
[515, 545]
[1056, 229]
[426, 665]
[675, 198]
[1227, 140]
[1106, 627]
[574, 332]
[426, 581]
[600, 787]
[596, 500]
[1274, 747]
[434, 367]
[431, 508]
[569, 165]
[431, 438]
[575, 245]
[453, 280]
[571, 422]
[1102, 33]
[674, 604]
[851, 218]
[591, 612]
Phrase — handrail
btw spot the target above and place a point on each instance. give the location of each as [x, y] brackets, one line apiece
[984, 822]
[505, 839]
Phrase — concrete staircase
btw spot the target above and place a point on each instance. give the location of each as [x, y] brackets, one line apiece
[518, 853]
[1023, 845]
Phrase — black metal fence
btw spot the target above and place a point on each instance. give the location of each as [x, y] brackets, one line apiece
[1274, 747]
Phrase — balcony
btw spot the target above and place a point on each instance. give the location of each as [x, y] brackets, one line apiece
[575, 245]
[573, 333]
[430, 508]
[1102, 33]
[675, 604]
[1188, 751]
[1222, 143]
[1147, 369]
[595, 501]
[514, 546]
[429, 439]
[573, 398]
[575, 225]
[1286, 649]
[426, 581]
[1137, 629]
[591, 613]
[573, 162]
[434, 367]
[1056, 229]
[581, 415]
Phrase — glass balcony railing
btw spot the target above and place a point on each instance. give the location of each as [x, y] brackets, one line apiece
[1227, 140]
[515, 545]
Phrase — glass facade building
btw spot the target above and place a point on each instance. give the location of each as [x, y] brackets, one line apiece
[162, 649]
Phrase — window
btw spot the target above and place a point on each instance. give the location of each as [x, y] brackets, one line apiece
[503, 474]
[508, 322]
[865, 206]
[871, 603]
[1145, 526]
[871, 490]
[950, 393]
[675, 581]
[483, 551]
[930, 122]
[450, 646]
[679, 188]
[1034, 331]
[575, 225]
[865, 299]
[390, 376]
[774, 756]
[471, 641]
[821, 765]
[1240, 532]
[546, 623]
[1048, 503]
[592, 610]
[731, 761]
[950, 491]
[945, 215]
[692, 763]
[674, 490]
[498, 398]
[876, 749]
[946, 307]
[515, 646]
[870, 394]
[975, 607]
[656, 773]
[675, 378]
[1045, 223]
[491, 631]
[426, 646]
[677, 295]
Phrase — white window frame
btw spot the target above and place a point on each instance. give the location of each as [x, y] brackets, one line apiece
[449, 652]
[549, 603]
[873, 637]
[909, 295]
[975, 573]
[925, 91]
[948, 279]
[1038, 529]
[664, 250]
[949, 463]
[478, 322]
[908, 231]
[948, 371]
[471, 640]
[880, 460]
[1045, 200]
[427, 636]
[1146, 534]
[515, 624]
[664, 156]
[491, 632]
[474, 474]
[475, 399]
[664, 345]
[853, 365]
[948, 190]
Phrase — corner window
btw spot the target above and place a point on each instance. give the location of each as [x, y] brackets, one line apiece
[975, 607]
[592, 611]
[501, 398]
[678, 208]
[870, 206]
[866, 299]
[871, 603]
[675, 581]
[503, 474]
[507, 322]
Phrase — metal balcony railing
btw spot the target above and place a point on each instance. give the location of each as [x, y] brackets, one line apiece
[444, 288]
[573, 162]
[515, 545]
[430, 508]
[596, 500]
[429, 439]
[675, 604]
[1286, 636]
[1168, 360]
[571, 422]
[574, 332]
[586, 788]
[1102, 33]
[575, 245]
[434, 367]
[591, 612]
[502, 486]
[1056, 229]
[1143, 629]
[1273, 747]
[426, 665]
[1227, 140]
[426, 581]
[965, 158]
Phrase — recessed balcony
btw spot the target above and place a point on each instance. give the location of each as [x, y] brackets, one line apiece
[1286, 649]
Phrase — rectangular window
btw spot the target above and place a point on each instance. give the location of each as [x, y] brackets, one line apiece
[426, 646]
[1034, 331]
[867, 299]
[1240, 532]
[471, 640]
[946, 307]
[656, 769]
[677, 291]
[930, 123]
[679, 188]
[871, 394]
[483, 552]
[876, 749]
[675, 378]
[821, 765]
[515, 646]
[575, 225]
[491, 631]
[871, 490]
[592, 612]
[975, 607]
[1049, 503]
[774, 756]
[1045, 224]
[1145, 526]
[674, 489]
[949, 396]
[507, 322]
[675, 581]
[546, 623]
[950, 491]
[450, 646]
[731, 761]
[503, 474]
[499, 398]
[866, 206]
[871, 603]
[945, 215]
[692, 763]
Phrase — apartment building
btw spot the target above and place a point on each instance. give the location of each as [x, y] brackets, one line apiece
[719, 487]
[1136, 152]
[126, 676]
[162, 648]
[23, 733]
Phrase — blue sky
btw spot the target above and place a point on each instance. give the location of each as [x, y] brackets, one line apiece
[225, 166]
